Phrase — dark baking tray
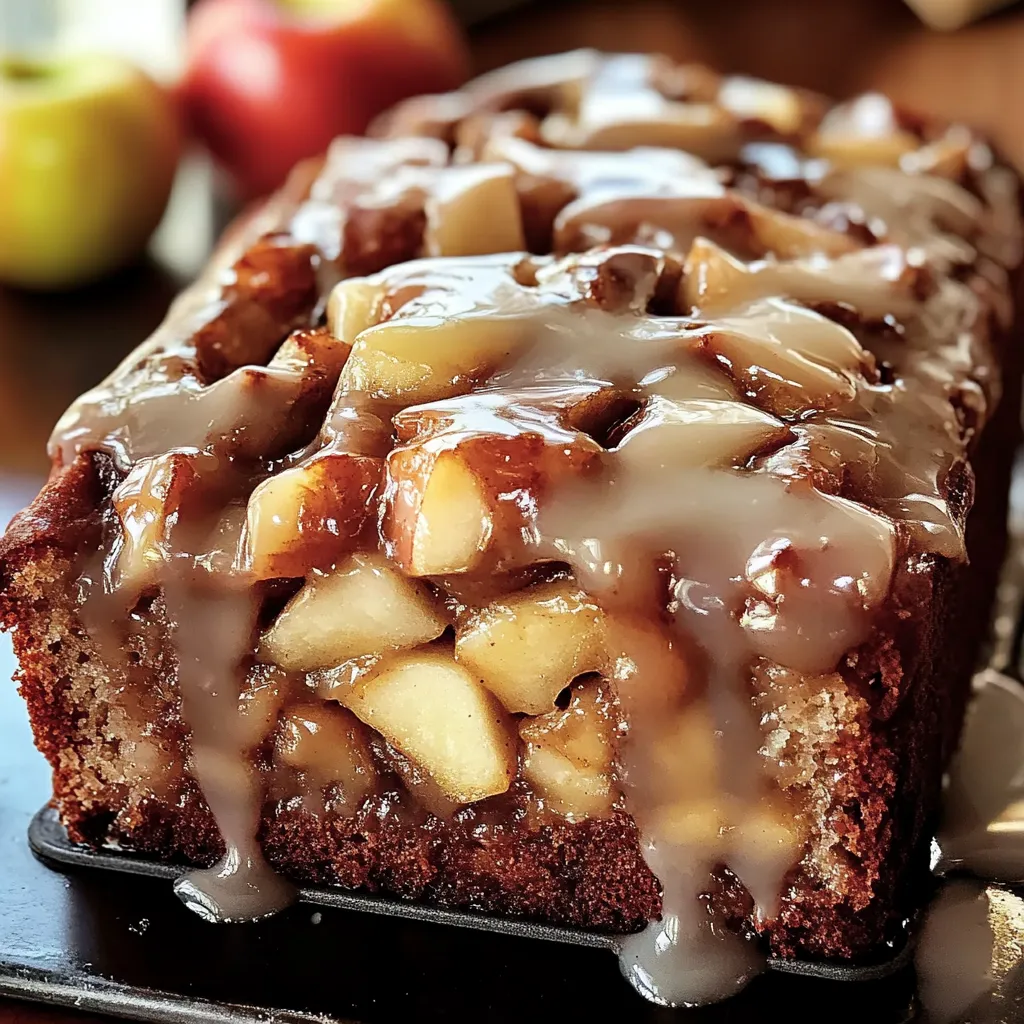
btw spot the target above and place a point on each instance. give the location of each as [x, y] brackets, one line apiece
[50, 842]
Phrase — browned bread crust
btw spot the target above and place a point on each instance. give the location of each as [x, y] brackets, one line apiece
[869, 749]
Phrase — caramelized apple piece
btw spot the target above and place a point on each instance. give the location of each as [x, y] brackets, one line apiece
[787, 356]
[311, 515]
[878, 281]
[440, 520]
[466, 489]
[420, 784]
[696, 824]
[353, 306]
[299, 381]
[527, 647]
[260, 703]
[863, 132]
[145, 501]
[363, 607]
[570, 754]
[272, 289]
[759, 842]
[678, 434]
[317, 356]
[254, 412]
[946, 157]
[846, 151]
[402, 359]
[757, 839]
[558, 412]
[648, 201]
[438, 714]
[651, 666]
[818, 365]
[473, 210]
[703, 129]
[449, 510]
[751, 99]
[713, 278]
[685, 754]
[330, 745]
[788, 237]
[332, 683]
[441, 326]
[683, 762]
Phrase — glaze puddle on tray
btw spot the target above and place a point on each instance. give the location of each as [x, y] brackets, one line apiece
[963, 970]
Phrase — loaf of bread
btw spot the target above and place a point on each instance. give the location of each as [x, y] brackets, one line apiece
[580, 500]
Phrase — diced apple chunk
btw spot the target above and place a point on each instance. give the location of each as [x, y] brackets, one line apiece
[703, 129]
[440, 327]
[764, 842]
[652, 667]
[713, 277]
[352, 307]
[685, 755]
[473, 210]
[416, 360]
[364, 607]
[699, 432]
[144, 501]
[570, 754]
[819, 361]
[316, 355]
[526, 648]
[260, 703]
[329, 744]
[788, 237]
[683, 761]
[422, 787]
[847, 151]
[464, 492]
[753, 100]
[864, 131]
[309, 516]
[439, 715]
[439, 520]
[566, 789]
[759, 841]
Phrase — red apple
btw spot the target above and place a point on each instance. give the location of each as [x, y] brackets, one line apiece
[269, 82]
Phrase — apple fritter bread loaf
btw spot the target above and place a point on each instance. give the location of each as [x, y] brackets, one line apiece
[580, 500]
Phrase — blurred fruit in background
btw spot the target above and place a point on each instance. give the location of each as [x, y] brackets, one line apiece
[88, 151]
[269, 82]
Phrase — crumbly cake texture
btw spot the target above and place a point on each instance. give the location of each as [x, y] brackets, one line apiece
[667, 198]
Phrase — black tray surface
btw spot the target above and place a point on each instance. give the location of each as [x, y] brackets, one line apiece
[49, 841]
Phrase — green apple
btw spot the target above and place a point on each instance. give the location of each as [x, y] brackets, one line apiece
[88, 150]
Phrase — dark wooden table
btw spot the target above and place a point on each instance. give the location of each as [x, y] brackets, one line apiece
[53, 347]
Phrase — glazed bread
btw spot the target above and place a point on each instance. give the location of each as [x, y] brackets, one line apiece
[580, 500]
